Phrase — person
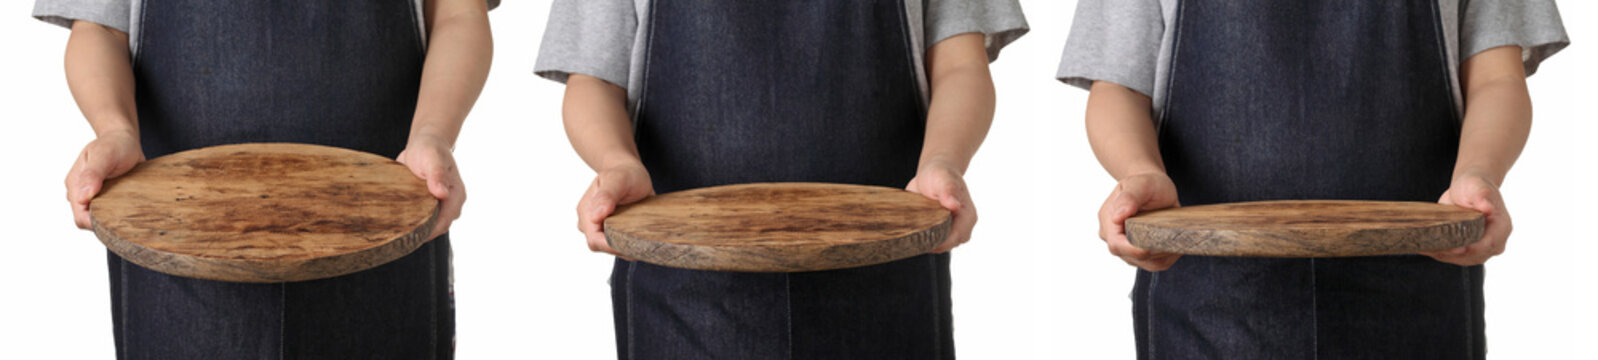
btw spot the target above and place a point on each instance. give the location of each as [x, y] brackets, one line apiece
[663, 96]
[1198, 102]
[395, 78]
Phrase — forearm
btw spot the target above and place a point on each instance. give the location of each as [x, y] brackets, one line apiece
[595, 115]
[460, 51]
[100, 76]
[962, 101]
[1497, 114]
[1121, 130]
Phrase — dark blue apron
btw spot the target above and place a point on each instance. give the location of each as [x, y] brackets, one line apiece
[1309, 100]
[339, 73]
[740, 91]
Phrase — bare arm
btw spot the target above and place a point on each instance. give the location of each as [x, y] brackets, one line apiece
[1496, 124]
[958, 118]
[596, 120]
[961, 110]
[1121, 130]
[1497, 113]
[595, 115]
[101, 79]
[460, 50]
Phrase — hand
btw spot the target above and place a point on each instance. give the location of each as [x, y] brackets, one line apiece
[1136, 193]
[430, 159]
[613, 186]
[110, 155]
[1475, 192]
[942, 183]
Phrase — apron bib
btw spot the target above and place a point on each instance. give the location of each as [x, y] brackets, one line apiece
[762, 91]
[337, 73]
[1274, 100]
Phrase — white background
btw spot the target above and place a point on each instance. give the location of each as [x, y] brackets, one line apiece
[1035, 282]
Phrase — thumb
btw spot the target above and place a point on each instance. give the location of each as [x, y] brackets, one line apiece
[435, 185]
[914, 185]
[949, 201]
[1126, 203]
[604, 200]
[89, 180]
[1474, 198]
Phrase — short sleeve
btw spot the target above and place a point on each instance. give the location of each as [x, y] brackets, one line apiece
[589, 37]
[1000, 21]
[1116, 41]
[110, 13]
[1534, 25]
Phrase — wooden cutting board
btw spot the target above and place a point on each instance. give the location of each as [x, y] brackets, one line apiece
[264, 212]
[778, 227]
[1306, 228]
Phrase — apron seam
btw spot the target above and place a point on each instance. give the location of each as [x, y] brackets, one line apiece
[1446, 64]
[282, 320]
[123, 264]
[139, 40]
[1148, 304]
[419, 17]
[1470, 313]
[918, 65]
[937, 306]
[643, 76]
[787, 283]
[1315, 312]
[432, 285]
[1170, 82]
[631, 341]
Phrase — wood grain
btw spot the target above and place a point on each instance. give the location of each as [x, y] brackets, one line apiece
[264, 213]
[1306, 228]
[778, 227]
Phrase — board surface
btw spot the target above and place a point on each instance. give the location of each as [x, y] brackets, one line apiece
[1306, 228]
[778, 227]
[264, 212]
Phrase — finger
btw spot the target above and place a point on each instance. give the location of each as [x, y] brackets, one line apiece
[1461, 256]
[403, 157]
[583, 204]
[448, 212]
[959, 231]
[1121, 206]
[913, 186]
[87, 183]
[1496, 236]
[598, 243]
[1160, 262]
[437, 185]
[957, 200]
[1104, 215]
[440, 227]
[80, 216]
[1474, 198]
[1119, 246]
[1150, 260]
[71, 181]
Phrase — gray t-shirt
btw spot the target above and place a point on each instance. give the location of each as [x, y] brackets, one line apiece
[123, 15]
[599, 37]
[1129, 42]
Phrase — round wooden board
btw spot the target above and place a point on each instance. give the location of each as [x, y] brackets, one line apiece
[1306, 228]
[264, 213]
[778, 227]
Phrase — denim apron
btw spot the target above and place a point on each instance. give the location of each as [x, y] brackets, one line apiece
[1312, 99]
[339, 73]
[763, 91]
